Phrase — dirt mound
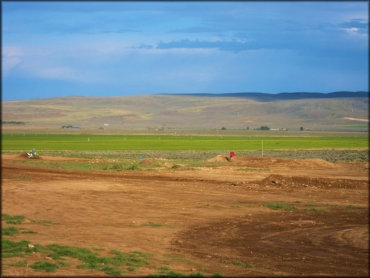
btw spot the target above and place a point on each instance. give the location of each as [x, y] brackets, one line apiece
[146, 161]
[219, 158]
[313, 162]
[302, 182]
[253, 161]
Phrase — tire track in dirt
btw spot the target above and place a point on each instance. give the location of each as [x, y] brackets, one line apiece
[47, 173]
[287, 243]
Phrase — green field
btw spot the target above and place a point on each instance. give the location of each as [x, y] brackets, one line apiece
[54, 142]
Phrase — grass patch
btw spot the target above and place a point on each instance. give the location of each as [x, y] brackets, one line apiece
[316, 210]
[17, 219]
[109, 270]
[330, 205]
[176, 274]
[163, 269]
[235, 206]
[110, 265]
[22, 179]
[19, 264]
[98, 249]
[14, 249]
[311, 204]
[251, 169]
[82, 166]
[152, 224]
[63, 263]
[352, 211]
[278, 206]
[28, 232]
[132, 167]
[198, 274]
[9, 231]
[45, 266]
[238, 263]
[116, 166]
[43, 222]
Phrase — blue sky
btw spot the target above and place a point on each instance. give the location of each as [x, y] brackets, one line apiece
[52, 49]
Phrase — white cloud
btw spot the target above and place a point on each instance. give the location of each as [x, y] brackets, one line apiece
[351, 30]
[11, 57]
[356, 33]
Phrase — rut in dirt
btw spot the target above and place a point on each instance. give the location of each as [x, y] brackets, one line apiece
[293, 243]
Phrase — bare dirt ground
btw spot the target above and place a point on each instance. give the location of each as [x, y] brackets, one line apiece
[212, 219]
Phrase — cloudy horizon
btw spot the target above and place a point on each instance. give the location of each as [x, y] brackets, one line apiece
[54, 49]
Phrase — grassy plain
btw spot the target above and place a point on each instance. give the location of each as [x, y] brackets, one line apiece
[83, 142]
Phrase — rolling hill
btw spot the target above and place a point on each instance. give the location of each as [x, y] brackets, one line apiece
[335, 111]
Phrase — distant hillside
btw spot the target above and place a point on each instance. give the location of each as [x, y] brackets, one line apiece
[287, 96]
[334, 111]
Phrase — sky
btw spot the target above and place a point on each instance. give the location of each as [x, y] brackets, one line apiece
[55, 49]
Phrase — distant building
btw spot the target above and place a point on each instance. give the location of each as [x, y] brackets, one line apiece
[69, 126]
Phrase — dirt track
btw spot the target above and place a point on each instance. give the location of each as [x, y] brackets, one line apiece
[213, 218]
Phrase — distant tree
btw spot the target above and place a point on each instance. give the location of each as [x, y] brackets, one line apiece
[223, 128]
[247, 127]
[264, 127]
[13, 122]
[301, 128]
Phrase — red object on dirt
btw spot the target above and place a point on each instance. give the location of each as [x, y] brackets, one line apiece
[232, 154]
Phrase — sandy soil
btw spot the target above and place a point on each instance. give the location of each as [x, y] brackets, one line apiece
[213, 217]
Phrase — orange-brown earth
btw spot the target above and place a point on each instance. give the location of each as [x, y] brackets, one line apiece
[214, 218]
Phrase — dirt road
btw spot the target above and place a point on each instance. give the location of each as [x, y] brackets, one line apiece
[251, 217]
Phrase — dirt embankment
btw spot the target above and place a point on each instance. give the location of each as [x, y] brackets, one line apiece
[302, 182]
